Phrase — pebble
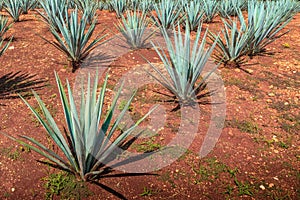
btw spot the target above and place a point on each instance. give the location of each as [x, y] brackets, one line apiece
[262, 187]
[13, 189]
[271, 94]
[271, 185]
[269, 101]
[275, 138]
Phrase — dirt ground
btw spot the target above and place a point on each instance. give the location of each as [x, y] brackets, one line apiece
[257, 155]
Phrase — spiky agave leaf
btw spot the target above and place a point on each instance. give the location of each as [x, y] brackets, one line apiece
[119, 6]
[88, 9]
[232, 44]
[14, 9]
[187, 60]
[4, 26]
[4, 47]
[27, 5]
[167, 13]
[73, 37]
[194, 14]
[266, 22]
[89, 140]
[229, 8]
[133, 27]
[51, 11]
[210, 8]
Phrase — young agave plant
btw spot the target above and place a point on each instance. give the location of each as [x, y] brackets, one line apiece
[184, 67]
[27, 5]
[4, 26]
[194, 14]
[265, 22]
[167, 13]
[133, 28]
[14, 8]
[52, 10]
[119, 6]
[232, 45]
[73, 37]
[210, 8]
[89, 140]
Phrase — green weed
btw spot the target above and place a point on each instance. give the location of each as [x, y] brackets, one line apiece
[243, 188]
[243, 126]
[147, 146]
[64, 185]
[147, 192]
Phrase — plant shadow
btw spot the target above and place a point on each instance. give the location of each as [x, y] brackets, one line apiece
[14, 83]
[108, 171]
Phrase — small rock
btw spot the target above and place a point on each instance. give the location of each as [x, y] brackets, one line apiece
[271, 185]
[11, 47]
[276, 151]
[286, 103]
[276, 178]
[275, 138]
[271, 94]
[269, 101]
[262, 187]
[13, 189]
[237, 70]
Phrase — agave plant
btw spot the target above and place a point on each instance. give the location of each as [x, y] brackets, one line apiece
[210, 8]
[284, 6]
[184, 67]
[229, 8]
[133, 28]
[89, 140]
[74, 40]
[4, 26]
[119, 6]
[265, 22]
[27, 5]
[146, 5]
[194, 14]
[232, 45]
[51, 11]
[167, 13]
[88, 9]
[14, 9]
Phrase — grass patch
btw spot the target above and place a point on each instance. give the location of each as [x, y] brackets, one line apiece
[147, 146]
[209, 171]
[147, 192]
[249, 86]
[243, 126]
[63, 185]
[14, 153]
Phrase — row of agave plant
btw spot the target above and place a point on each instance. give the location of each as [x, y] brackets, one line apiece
[86, 144]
